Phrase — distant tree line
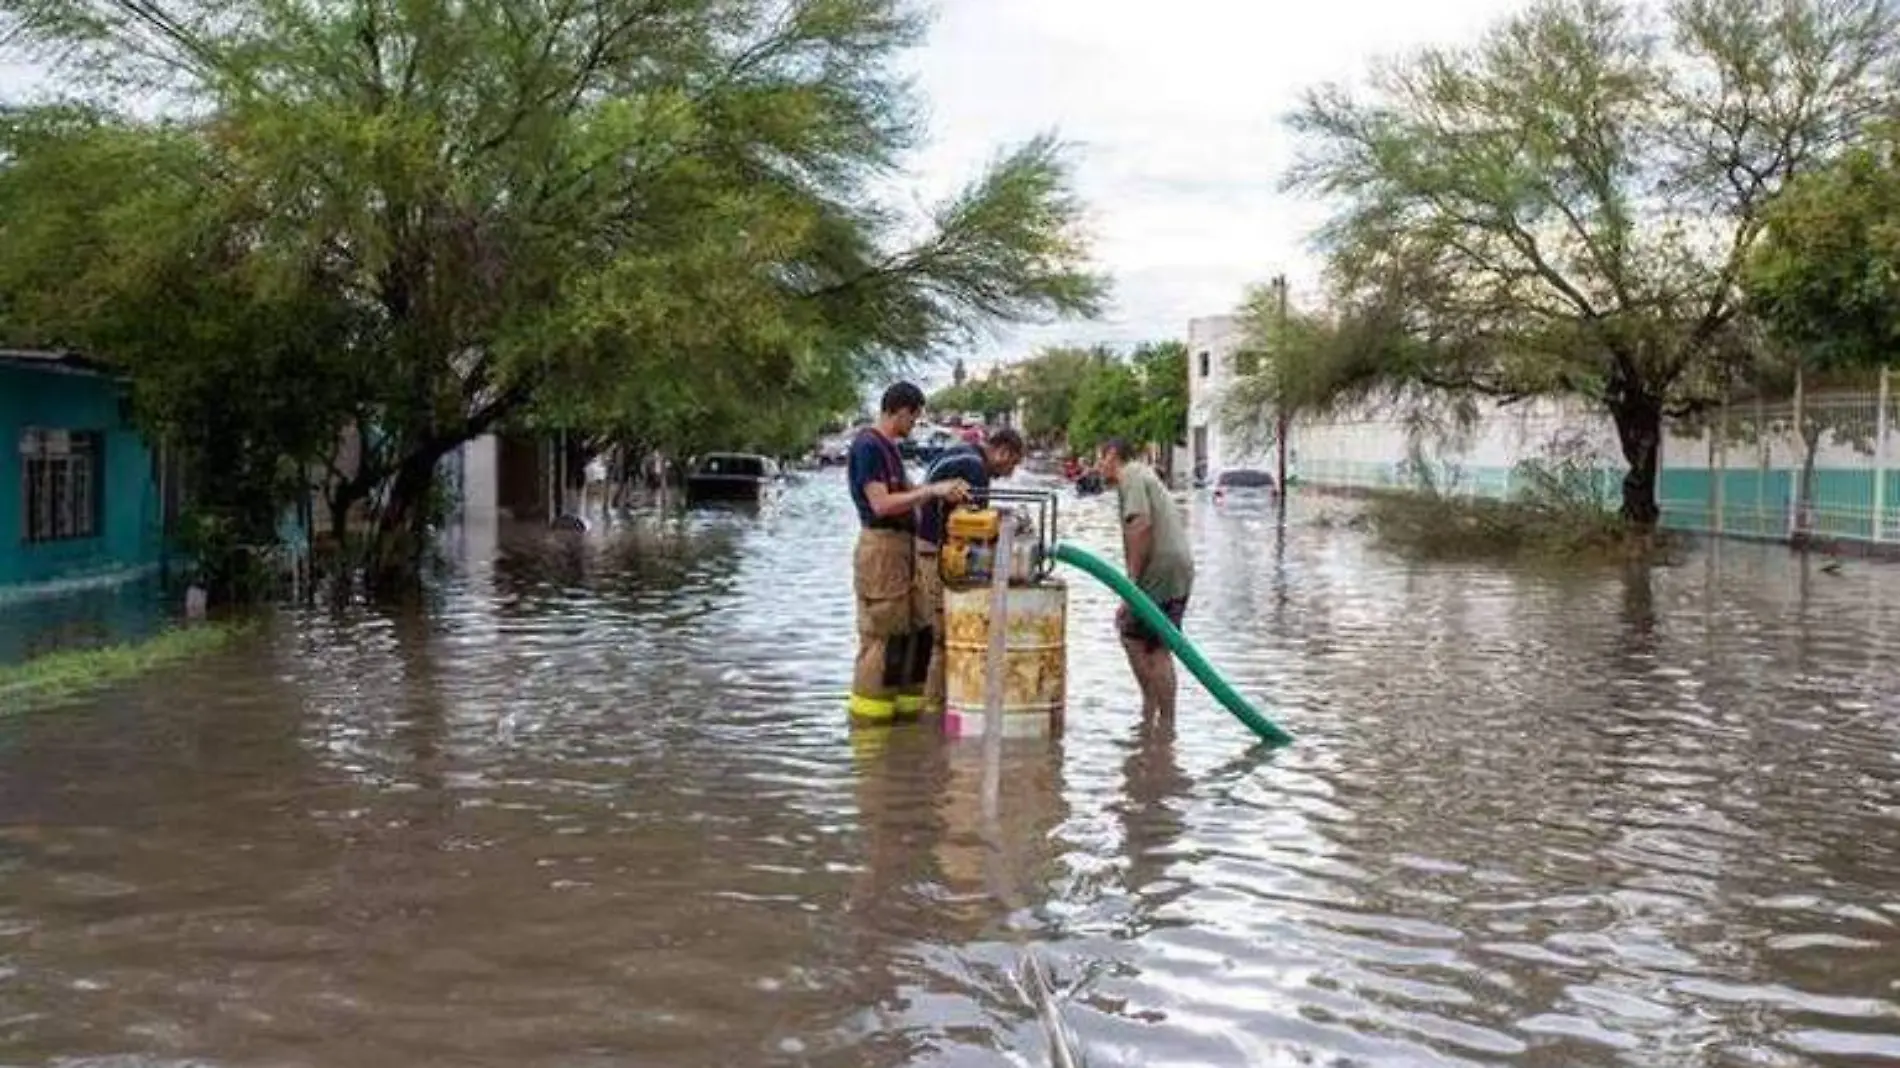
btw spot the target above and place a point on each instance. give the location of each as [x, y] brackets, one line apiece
[1077, 398]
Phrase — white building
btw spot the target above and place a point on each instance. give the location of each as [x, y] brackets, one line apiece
[1213, 342]
[1364, 449]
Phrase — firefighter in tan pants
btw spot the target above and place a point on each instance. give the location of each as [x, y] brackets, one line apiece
[895, 631]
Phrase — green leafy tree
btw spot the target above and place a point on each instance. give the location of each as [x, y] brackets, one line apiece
[647, 216]
[992, 395]
[1163, 368]
[1109, 404]
[1566, 208]
[1825, 280]
[1048, 385]
[1141, 400]
[104, 239]
[1085, 395]
[1825, 284]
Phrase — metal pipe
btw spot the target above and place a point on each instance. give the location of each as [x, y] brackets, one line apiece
[1719, 469]
[1880, 458]
[993, 676]
[1281, 423]
[1797, 508]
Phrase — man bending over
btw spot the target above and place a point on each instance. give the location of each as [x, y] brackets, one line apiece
[1154, 539]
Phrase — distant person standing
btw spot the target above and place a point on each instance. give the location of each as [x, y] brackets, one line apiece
[893, 643]
[974, 466]
[1160, 562]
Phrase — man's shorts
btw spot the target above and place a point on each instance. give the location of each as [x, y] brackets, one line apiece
[1137, 631]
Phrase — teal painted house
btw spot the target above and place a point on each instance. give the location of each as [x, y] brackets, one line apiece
[79, 494]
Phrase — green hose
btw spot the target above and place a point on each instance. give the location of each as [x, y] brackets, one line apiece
[1143, 606]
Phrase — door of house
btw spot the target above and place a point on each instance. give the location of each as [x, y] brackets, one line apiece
[1200, 454]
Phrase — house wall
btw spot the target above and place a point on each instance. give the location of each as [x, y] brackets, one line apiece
[130, 528]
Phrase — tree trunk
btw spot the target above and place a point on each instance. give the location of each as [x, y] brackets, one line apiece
[1638, 420]
[342, 498]
[403, 526]
[1804, 501]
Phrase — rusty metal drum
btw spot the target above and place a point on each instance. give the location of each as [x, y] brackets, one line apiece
[1036, 667]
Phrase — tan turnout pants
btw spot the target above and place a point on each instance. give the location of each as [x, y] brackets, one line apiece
[894, 627]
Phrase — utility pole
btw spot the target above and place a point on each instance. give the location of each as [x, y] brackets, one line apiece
[1281, 422]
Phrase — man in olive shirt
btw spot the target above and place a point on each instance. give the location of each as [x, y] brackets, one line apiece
[1160, 562]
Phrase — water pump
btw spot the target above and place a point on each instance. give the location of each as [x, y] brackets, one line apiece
[968, 556]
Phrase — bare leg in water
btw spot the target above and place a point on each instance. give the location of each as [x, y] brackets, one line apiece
[1161, 674]
[1138, 663]
[1153, 666]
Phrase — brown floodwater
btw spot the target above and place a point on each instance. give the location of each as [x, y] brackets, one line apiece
[597, 804]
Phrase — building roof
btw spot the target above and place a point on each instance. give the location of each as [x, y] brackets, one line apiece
[70, 363]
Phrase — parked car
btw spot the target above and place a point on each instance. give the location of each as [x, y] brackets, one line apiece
[731, 476]
[834, 450]
[1242, 482]
[928, 444]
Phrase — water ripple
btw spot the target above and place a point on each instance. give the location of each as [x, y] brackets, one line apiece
[598, 805]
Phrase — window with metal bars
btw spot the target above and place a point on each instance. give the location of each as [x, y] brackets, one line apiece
[63, 483]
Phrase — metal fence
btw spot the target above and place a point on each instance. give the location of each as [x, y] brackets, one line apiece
[1822, 465]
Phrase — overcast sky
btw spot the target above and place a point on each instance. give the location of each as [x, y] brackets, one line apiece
[1177, 109]
[1176, 112]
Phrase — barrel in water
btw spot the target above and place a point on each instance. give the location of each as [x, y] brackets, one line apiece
[1036, 670]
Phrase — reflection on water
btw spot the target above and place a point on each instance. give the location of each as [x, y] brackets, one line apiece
[595, 803]
[86, 617]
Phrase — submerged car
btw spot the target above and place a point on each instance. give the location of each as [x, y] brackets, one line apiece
[1243, 482]
[731, 476]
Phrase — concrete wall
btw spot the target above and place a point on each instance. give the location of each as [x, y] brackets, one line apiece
[481, 479]
[1371, 449]
[130, 526]
[479, 520]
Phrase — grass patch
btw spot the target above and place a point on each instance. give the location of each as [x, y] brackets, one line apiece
[1439, 527]
[1556, 513]
[59, 677]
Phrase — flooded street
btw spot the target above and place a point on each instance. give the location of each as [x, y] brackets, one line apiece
[599, 805]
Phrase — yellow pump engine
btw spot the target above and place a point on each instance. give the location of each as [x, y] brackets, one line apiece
[969, 546]
[971, 533]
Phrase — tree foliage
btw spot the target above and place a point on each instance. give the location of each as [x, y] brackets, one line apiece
[1045, 386]
[1163, 370]
[1049, 385]
[1566, 207]
[1825, 281]
[1825, 286]
[1108, 404]
[651, 216]
[991, 395]
[1085, 396]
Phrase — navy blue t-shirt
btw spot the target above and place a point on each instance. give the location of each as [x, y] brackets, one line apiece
[964, 462]
[874, 458]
